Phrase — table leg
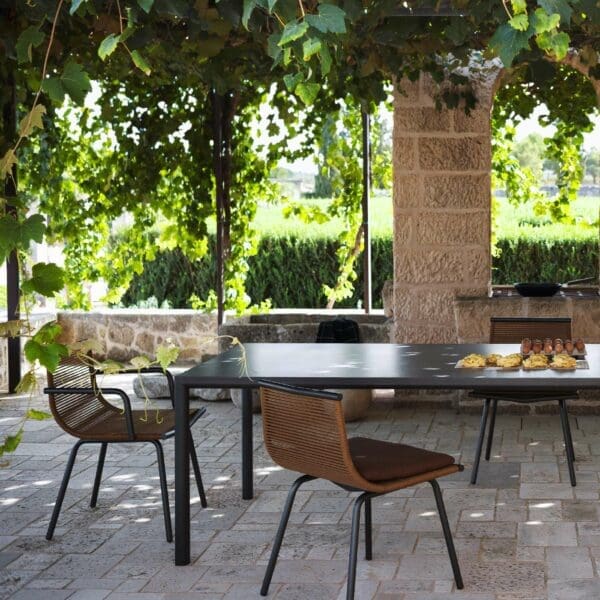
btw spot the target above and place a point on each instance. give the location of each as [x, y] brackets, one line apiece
[182, 474]
[247, 445]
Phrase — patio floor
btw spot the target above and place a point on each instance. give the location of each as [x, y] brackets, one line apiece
[521, 533]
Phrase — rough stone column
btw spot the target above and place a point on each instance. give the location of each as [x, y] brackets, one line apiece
[442, 164]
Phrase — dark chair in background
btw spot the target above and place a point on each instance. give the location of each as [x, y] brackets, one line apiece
[512, 330]
[80, 408]
[304, 431]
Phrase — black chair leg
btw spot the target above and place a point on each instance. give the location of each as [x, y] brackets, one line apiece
[352, 559]
[163, 489]
[368, 530]
[196, 466]
[564, 419]
[573, 458]
[447, 533]
[62, 490]
[285, 516]
[98, 478]
[490, 439]
[477, 458]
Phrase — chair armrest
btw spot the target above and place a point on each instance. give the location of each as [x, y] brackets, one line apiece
[104, 392]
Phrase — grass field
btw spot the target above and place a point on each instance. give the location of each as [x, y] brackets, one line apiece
[512, 222]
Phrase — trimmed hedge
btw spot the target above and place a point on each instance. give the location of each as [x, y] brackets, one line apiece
[291, 270]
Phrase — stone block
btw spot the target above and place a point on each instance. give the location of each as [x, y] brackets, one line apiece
[423, 266]
[405, 153]
[407, 332]
[424, 304]
[476, 265]
[453, 229]
[408, 191]
[121, 335]
[387, 296]
[156, 387]
[457, 191]
[421, 119]
[406, 93]
[454, 154]
[478, 121]
[403, 228]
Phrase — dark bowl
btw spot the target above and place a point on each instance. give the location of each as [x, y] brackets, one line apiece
[537, 289]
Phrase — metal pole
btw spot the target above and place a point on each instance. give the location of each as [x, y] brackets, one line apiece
[9, 128]
[366, 164]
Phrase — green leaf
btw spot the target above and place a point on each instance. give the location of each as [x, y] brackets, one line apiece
[86, 346]
[561, 7]
[140, 62]
[519, 6]
[28, 383]
[140, 362]
[32, 37]
[508, 42]
[310, 47]
[32, 230]
[37, 415]
[48, 355]
[331, 19]
[326, 60]
[110, 367]
[166, 354]
[145, 5]
[7, 162]
[108, 46]
[32, 120]
[249, 6]
[75, 81]
[271, 5]
[542, 21]
[519, 22]
[48, 333]
[273, 49]
[307, 92]
[54, 88]
[11, 328]
[556, 44]
[11, 442]
[293, 31]
[47, 278]
[75, 4]
[291, 81]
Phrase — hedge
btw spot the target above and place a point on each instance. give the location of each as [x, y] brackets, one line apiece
[291, 270]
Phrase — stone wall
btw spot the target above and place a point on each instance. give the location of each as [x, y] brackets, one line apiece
[442, 193]
[126, 333]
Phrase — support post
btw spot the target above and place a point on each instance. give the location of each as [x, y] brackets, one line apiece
[9, 133]
[366, 166]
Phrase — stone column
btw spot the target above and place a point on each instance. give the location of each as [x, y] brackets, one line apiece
[442, 164]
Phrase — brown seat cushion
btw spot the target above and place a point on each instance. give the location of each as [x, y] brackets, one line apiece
[376, 460]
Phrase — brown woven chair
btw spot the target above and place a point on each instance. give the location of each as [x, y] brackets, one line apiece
[512, 330]
[304, 431]
[81, 409]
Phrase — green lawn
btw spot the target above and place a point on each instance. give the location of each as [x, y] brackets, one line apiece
[512, 222]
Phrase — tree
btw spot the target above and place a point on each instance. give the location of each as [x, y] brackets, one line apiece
[530, 153]
[592, 164]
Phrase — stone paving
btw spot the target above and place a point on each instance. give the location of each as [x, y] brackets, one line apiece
[521, 534]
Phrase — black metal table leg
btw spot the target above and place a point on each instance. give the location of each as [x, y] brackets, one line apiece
[482, 427]
[247, 445]
[182, 474]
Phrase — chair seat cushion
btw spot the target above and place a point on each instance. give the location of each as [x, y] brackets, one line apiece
[377, 460]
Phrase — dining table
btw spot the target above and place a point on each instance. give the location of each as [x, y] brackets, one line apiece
[346, 366]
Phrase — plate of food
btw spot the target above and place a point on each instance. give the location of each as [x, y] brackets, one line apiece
[510, 361]
[563, 362]
[535, 362]
[472, 361]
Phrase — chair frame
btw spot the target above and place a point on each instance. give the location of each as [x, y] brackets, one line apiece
[368, 491]
[100, 394]
[507, 330]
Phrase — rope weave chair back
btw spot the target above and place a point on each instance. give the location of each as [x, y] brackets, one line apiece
[306, 432]
[509, 330]
[77, 413]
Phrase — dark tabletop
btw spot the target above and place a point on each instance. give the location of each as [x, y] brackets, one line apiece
[379, 365]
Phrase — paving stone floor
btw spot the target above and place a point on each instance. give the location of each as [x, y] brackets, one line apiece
[521, 534]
